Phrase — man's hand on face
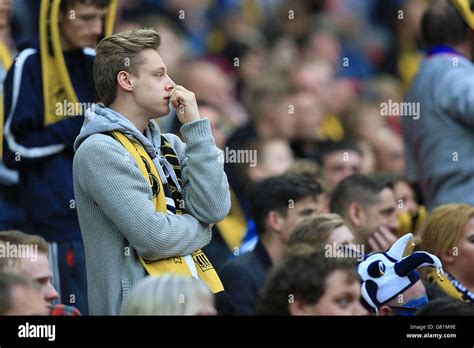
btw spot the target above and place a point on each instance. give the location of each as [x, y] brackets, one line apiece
[382, 239]
[185, 103]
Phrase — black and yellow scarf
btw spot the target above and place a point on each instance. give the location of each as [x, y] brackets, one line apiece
[6, 62]
[450, 286]
[177, 264]
[233, 228]
[57, 86]
[466, 9]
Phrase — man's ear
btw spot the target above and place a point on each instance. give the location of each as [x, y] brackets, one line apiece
[297, 307]
[274, 221]
[385, 310]
[124, 81]
[356, 214]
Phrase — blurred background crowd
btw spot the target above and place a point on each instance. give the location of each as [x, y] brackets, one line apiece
[301, 84]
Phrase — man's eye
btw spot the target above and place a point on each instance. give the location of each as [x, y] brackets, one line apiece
[344, 301]
[87, 18]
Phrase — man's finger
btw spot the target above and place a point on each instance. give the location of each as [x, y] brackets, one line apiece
[381, 242]
[179, 88]
[389, 237]
[381, 236]
[176, 96]
[373, 245]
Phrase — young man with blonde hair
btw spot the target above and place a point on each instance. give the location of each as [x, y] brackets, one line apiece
[146, 201]
[28, 255]
[31, 260]
[19, 295]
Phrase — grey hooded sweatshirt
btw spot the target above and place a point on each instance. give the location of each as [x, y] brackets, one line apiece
[115, 208]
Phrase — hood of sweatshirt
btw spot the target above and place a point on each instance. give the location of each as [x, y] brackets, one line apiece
[100, 119]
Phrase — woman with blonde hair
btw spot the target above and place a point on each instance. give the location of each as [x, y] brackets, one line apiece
[449, 234]
[169, 294]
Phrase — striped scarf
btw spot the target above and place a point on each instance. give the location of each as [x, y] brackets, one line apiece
[174, 200]
[6, 62]
[167, 199]
[451, 286]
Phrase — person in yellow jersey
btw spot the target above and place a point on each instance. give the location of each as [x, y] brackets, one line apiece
[45, 94]
[146, 201]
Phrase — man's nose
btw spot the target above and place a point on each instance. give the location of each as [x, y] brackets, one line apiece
[51, 294]
[348, 171]
[393, 224]
[97, 27]
[170, 84]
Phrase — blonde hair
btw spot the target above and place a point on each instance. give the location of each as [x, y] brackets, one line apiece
[19, 238]
[305, 167]
[120, 52]
[167, 294]
[8, 264]
[444, 228]
[315, 230]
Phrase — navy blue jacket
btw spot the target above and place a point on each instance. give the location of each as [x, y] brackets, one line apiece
[43, 155]
[244, 276]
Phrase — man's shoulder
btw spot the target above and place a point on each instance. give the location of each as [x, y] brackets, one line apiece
[95, 142]
[28, 56]
[445, 66]
[245, 270]
[99, 138]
